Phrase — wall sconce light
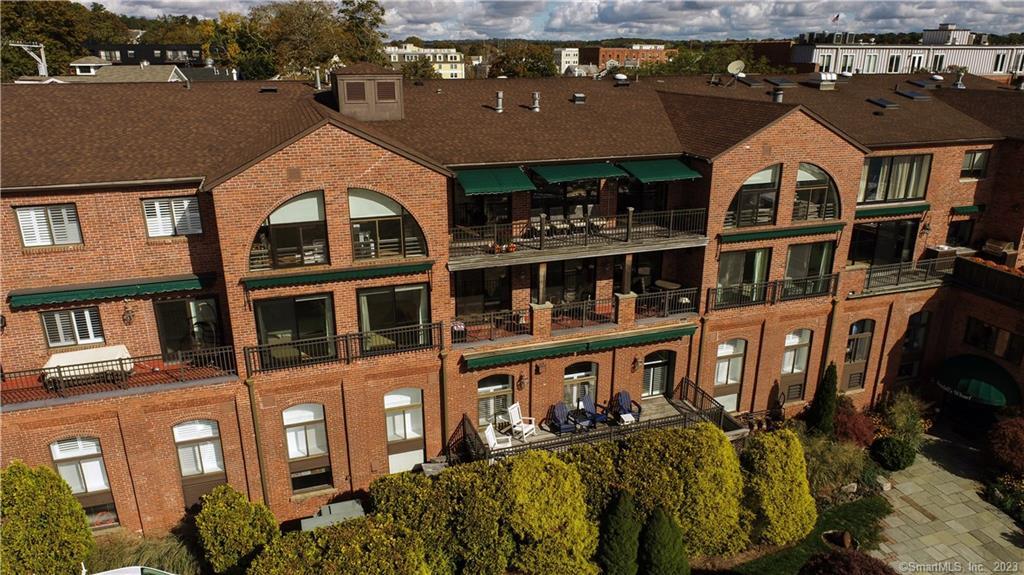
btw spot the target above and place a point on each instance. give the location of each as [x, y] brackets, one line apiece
[3, 323]
[128, 316]
[520, 382]
[635, 365]
[538, 368]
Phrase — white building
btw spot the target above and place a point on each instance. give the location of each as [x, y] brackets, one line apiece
[448, 62]
[941, 48]
[565, 57]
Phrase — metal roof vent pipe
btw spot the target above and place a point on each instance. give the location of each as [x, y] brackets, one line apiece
[317, 70]
[536, 102]
[499, 107]
[777, 95]
[959, 84]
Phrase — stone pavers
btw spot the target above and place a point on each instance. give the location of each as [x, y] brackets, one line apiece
[940, 523]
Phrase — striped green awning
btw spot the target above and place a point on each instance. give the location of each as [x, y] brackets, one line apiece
[642, 338]
[891, 211]
[736, 237]
[493, 181]
[336, 275]
[650, 171]
[574, 172]
[967, 210]
[107, 290]
[979, 380]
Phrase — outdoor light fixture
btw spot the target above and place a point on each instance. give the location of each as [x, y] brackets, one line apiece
[128, 316]
[521, 382]
[635, 364]
[538, 368]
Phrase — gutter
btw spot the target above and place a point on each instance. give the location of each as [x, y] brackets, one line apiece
[517, 163]
[114, 184]
[256, 432]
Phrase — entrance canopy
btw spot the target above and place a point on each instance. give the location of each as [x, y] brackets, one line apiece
[979, 380]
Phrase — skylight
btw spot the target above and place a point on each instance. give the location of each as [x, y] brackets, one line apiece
[883, 103]
[781, 82]
[914, 95]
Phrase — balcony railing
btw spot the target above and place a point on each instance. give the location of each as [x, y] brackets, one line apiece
[701, 401]
[582, 314]
[800, 288]
[804, 211]
[343, 348]
[122, 373]
[667, 303]
[895, 275]
[742, 295]
[993, 282]
[491, 326]
[543, 233]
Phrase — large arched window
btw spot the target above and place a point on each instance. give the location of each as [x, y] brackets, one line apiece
[816, 195]
[382, 228]
[79, 461]
[294, 234]
[580, 379]
[794, 364]
[309, 460]
[494, 395]
[200, 458]
[755, 203]
[729, 372]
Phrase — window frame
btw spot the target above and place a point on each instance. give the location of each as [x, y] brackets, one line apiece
[888, 183]
[506, 389]
[49, 225]
[1011, 350]
[90, 500]
[829, 199]
[789, 375]
[309, 466]
[730, 387]
[974, 172]
[174, 221]
[90, 311]
[349, 96]
[736, 208]
[272, 230]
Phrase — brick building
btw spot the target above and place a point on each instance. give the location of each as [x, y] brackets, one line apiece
[297, 292]
[632, 57]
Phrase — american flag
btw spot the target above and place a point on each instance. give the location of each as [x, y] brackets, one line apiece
[835, 19]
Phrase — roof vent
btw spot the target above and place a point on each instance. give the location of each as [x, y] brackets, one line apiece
[913, 95]
[825, 80]
[536, 102]
[499, 106]
[884, 104]
[937, 77]
[579, 98]
[268, 89]
[777, 95]
[781, 82]
[621, 80]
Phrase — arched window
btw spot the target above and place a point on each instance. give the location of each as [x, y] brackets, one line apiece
[658, 368]
[309, 460]
[294, 234]
[794, 364]
[403, 411]
[816, 195]
[729, 372]
[200, 458]
[858, 351]
[754, 204]
[494, 395]
[79, 461]
[382, 228]
[580, 379]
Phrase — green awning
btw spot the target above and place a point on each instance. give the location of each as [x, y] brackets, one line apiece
[966, 210]
[107, 290]
[574, 172]
[642, 338]
[493, 181]
[493, 360]
[979, 380]
[336, 275]
[891, 211]
[650, 171]
[736, 237]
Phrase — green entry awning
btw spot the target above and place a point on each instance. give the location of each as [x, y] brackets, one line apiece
[966, 210]
[891, 211]
[107, 290]
[650, 171]
[336, 275]
[736, 237]
[979, 380]
[524, 355]
[493, 181]
[642, 338]
[574, 172]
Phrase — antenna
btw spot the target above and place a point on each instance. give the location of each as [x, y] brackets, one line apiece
[735, 69]
[40, 59]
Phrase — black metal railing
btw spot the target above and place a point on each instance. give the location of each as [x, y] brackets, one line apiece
[491, 326]
[638, 226]
[800, 288]
[895, 275]
[748, 217]
[805, 211]
[667, 303]
[155, 369]
[742, 295]
[582, 313]
[993, 282]
[702, 402]
[343, 348]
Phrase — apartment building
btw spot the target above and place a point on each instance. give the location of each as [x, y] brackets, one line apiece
[566, 57]
[632, 57]
[448, 62]
[296, 293]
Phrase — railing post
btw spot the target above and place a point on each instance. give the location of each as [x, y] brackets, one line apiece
[665, 312]
[490, 326]
[543, 229]
[586, 225]
[494, 233]
[629, 224]
[671, 222]
[899, 273]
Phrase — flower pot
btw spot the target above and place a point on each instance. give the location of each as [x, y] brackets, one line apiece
[840, 539]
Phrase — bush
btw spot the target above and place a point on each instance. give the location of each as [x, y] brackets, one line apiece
[663, 552]
[831, 464]
[232, 529]
[845, 562]
[167, 553]
[293, 554]
[620, 538]
[901, 418]
[597, 464]
[777, 491]
[852, 425]
[547, 516]
[42, 525]
[370, 546]
[412, 502]
[482, 543]
[1007, 493]
[893, 453]
[1005, 441]
[821, 414]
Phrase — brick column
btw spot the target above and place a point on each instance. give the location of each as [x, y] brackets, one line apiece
[626, 309]
[540, 319]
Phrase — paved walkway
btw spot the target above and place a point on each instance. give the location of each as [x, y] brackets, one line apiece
[940, 520]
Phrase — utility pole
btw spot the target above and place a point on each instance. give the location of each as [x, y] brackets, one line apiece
[40, 58]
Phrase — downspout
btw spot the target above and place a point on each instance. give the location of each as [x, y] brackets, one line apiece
[256, 433]
[700, 351]
[828, 339]
[348, 444]
[885, 340]
[442, 383]
[757, 366]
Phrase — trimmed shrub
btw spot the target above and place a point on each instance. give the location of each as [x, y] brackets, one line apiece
[845, 562]
[1007, 493]
[370, 546]
[233, 530]
[473, 491]
[596, 463]
[42, 525]
[663, 552]
[411, 501]
[831, 464]
[620, 538]
[1005, 441]
[292, 554]
[547, 516]
[852, 425]
[893, 453]
[901, 418]
[777, 491]
[821, 414]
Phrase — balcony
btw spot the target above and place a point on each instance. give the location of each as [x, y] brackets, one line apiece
[547, 239]
[48, 385]
[907, 275]
[773, 292]
[491, 326]
[667, 303]
[581, 314]
[343, 348]
[991, 280]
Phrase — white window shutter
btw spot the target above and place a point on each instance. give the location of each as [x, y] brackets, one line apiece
[211, 456]
[95, 475]
[159, 220]
[74, 447]
[188, 457]
[64, 223]
[34, 229]
[60, 329]
[198, 429]
[186, 216]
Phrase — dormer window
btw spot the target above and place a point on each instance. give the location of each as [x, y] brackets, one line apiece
[355, 91]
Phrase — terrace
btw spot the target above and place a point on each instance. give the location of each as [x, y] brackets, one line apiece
[773, 292]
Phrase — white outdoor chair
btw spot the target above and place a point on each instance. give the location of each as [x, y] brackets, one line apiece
[524, 426]
[495, 442]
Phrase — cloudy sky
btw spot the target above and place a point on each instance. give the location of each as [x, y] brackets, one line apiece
[675, 19]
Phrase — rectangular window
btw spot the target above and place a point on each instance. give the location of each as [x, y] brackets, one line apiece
[826, 62]
[355, 92]
[755, 202]
[49, 225]
[894, 179]
[72, 327]
[79, 462]
[807, 269]
[846, 63]
[871, 64]
[916, 62]
[187, 324]
[747, 267]
[1000, 63]
[567, 281]
[938, 62]
[386, 91]
[882, 243]
[384, 312]
[494, 395]
[995, 340]
[482, 291]
[172, 217]
[974, 165]
[959, 233]
[296, 330]
[894, 64]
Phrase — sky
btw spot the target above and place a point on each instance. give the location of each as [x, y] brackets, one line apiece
[669, 20]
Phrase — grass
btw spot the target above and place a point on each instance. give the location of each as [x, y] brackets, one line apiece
[168, 553]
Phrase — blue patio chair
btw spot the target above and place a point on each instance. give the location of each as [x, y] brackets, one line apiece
[559, 420]
[596, 413]
[626, 405]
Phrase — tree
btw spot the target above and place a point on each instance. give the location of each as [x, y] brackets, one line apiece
[414, 40]
[303, 34]
[821, 416]
[662, 552]
[362, 22]
[420, 69]
[620, 538]
[777, 492]
[524, 60]
[1005, 441]
[42, 525]
[233, 530]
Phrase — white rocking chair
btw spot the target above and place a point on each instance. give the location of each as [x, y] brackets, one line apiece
[524, 426]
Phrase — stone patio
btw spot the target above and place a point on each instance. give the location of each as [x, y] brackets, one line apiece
[941, 522]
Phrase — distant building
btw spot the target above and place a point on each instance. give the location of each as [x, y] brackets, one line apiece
[941, 48]
[632, 57]
[776, 52]
[97, 71]
[581, 70]
[565, 57]
[448, 62]
[177, 54]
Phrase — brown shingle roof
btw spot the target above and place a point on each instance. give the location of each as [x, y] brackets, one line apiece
[1001, 109]
[708, 126]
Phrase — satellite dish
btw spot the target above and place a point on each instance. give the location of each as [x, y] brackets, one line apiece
[621, 77]
[937, 78]
[740, 75]
[735, 67]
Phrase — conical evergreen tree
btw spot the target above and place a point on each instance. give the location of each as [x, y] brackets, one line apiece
[821, 416]
[662, 552]
[620, 538]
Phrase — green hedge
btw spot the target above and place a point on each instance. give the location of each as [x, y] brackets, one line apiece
[233, 530]
[832, 464]
[482, 542]
[777, 492]
[411, 500]
[893, 453]
[598, 464]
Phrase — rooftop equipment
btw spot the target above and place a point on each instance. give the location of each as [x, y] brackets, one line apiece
[884, 104]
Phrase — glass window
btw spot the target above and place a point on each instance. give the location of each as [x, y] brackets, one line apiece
[995, 340]
[482, 291]
[404, 415]
[567, 199]
[754, 204]
[939, 63]
[49, 225]
[746, 267]
[657, 373]
[306, 440]
[381, 228]
[383, 312]
[917, 331]
[871, 63]
[494, 395]
[729, 372]
[974, 164]
[882, 243]
[298, 330]
[579, 380]
[959, 233]
[809, 260]
[79, 462]
[567, 281]
[186, 324]
[894, 64]
[199, 449]
[894, 179]
[1000, 63]
[826, 63]
[816, 196]
[172, 217]
[72, 327]
[295, 234]
[794, 363]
